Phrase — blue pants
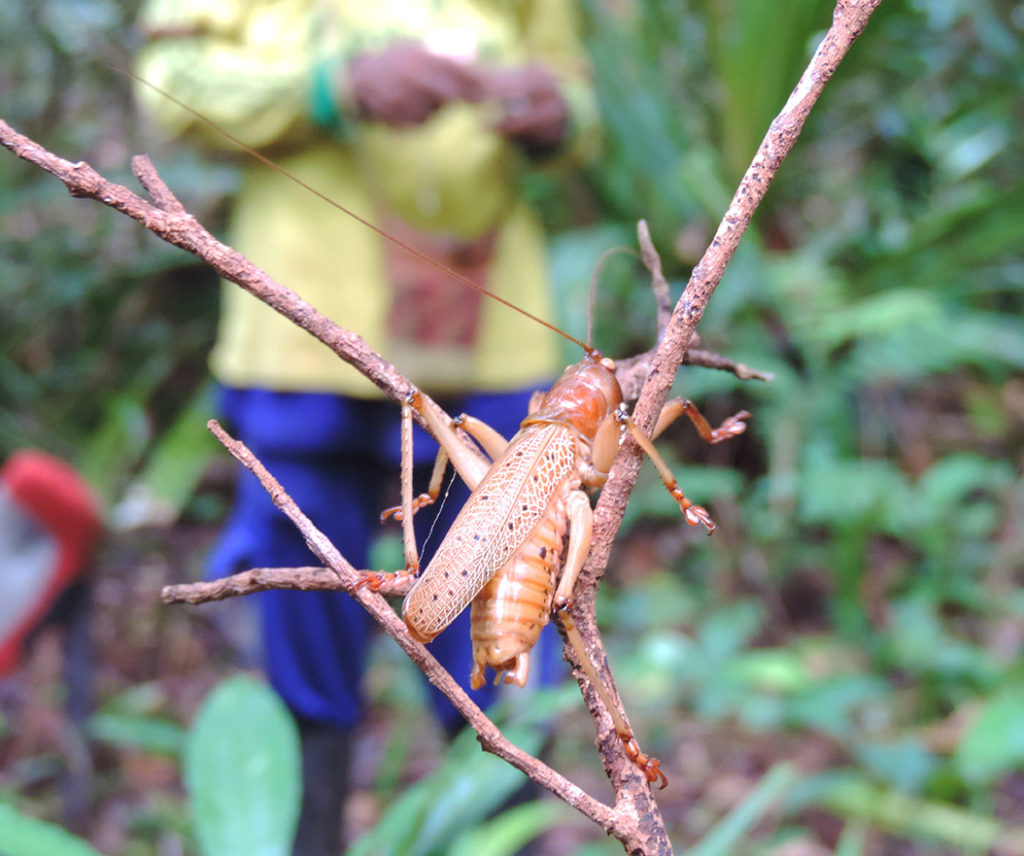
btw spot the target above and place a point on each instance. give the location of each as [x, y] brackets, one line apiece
[339, 459]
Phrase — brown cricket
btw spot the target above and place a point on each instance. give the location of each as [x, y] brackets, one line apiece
[503, 555]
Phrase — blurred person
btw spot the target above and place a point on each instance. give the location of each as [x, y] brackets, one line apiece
[423, 117]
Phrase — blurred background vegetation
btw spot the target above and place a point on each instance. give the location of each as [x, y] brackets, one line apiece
[838, 670]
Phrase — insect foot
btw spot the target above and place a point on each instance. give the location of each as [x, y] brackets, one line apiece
[649, 766]
[695, 515]
[395, 511]
[375, 580]
[732, 427]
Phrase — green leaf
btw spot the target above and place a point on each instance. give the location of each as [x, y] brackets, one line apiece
[116, 446]
[854, 797]
[148, 733]
[849, 492]
[853, 841]
[429, 816]
[831, 704]
[134, 717]
[21, 835]
[994, 742]
[242, 771]
[947, 488]
[771, 670]
[727, 834]
[506, 834]
[905, 763]
[882, 314]
[177, 463]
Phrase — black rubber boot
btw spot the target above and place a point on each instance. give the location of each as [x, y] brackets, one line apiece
[326, 756]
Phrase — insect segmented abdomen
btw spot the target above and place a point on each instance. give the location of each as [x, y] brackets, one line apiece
[508, 615]
[498, 518]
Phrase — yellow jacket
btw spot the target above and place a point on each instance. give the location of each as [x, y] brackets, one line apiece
[260, 69]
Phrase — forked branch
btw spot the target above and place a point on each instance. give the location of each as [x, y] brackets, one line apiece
[635, 820]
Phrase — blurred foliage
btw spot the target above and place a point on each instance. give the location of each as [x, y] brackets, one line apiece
[860, 611]
[241, 763]
[22, 835]
[105, 329]
[865, 585]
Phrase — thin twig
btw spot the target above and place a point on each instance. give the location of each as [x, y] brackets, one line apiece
[711, 360]
[659, 285]
[167, 219]
[632, 372]
[265, 579]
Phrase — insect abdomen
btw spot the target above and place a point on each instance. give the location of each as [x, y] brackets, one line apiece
[499, 518]
[511, 610]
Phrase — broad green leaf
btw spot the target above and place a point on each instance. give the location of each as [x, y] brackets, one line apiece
[242, 771]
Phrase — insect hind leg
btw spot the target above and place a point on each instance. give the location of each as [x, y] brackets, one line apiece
[648, 764]
[581, 520]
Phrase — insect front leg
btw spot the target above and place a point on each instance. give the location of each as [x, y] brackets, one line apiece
[732, 426]
[400, 512]
[404, 512]
[581, 525]
[470, 464]
[491, 441]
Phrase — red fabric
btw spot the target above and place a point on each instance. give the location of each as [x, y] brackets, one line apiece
[53, 493]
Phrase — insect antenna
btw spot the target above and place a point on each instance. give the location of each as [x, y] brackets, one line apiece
[335, 204]
[440, 510]
[598, 268]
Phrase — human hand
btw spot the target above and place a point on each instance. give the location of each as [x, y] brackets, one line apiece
[535, 116]
[405, 83]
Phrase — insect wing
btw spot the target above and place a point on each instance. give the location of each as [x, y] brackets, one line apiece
[495, 521]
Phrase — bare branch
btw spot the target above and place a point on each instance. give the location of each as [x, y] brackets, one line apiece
[159, 192]
[848, 22]
[711, 360]
[632, 372]
[266, 579]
